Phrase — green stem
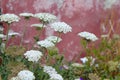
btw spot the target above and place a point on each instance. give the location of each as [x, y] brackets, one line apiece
[59, 34]
[7, 35]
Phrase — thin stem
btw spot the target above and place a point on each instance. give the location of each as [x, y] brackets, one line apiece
[59, 34]
[25, 28]
[41, 30]
[39, 34]
[7, 35]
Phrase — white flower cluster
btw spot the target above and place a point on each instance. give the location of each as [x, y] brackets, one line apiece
[26, 75]
[26, 14]
[9, 18]
[49, 70]
[12, 33]
[45, 43]
[85, 59]
[56, 77]
[54, 39]
[38, 25]
[33, 55]
[46, 17]
[52, 73]
[2, 36]
[61, 27]
[88, 36]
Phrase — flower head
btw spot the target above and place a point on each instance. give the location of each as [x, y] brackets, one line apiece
[12, 33]
[54, 39]
[26, 15]
[26, 75]
[85, 59]
[2, 36]
[49, 70]
[33, 55]
[9, 18]
[61, 27]
[45, 17]
[45, 43]
[52, 73]
[88, 36]
[55, 77]
[38, 26]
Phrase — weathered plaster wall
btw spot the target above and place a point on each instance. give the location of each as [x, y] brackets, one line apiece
[82, 15]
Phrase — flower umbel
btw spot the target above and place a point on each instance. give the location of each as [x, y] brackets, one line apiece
[88, 36]
[38, 25]
[45, 43]
[61, 27]
[52, 73]
[54, 39]
[26, 75]
[33, 55]
[9, 18]
[26, 14]
[45, 17]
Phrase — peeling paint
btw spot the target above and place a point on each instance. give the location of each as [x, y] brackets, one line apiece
[72, 6]
[9, 5]
[46, 4]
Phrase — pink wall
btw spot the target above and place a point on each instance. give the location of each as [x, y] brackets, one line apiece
[82, 15]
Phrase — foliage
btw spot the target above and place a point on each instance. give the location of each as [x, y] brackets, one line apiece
[101, 61]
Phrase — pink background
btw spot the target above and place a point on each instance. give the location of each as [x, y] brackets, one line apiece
[82, 15]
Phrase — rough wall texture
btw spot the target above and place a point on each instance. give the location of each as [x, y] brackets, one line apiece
[82, 15]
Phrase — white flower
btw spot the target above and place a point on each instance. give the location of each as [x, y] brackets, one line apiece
[61, 27]
[9, 18]
[45, 17]
[54, 39]
[49, 69]
[85, 59]
[55, 77]
[45, 43]
[14, 78]
[1, 29]
[38, 25]
[33, 55]
[88, 36]
[26, 14]
[77, 65]
[2, 36]
[52, 73]
[26, 75]
[12, 33]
